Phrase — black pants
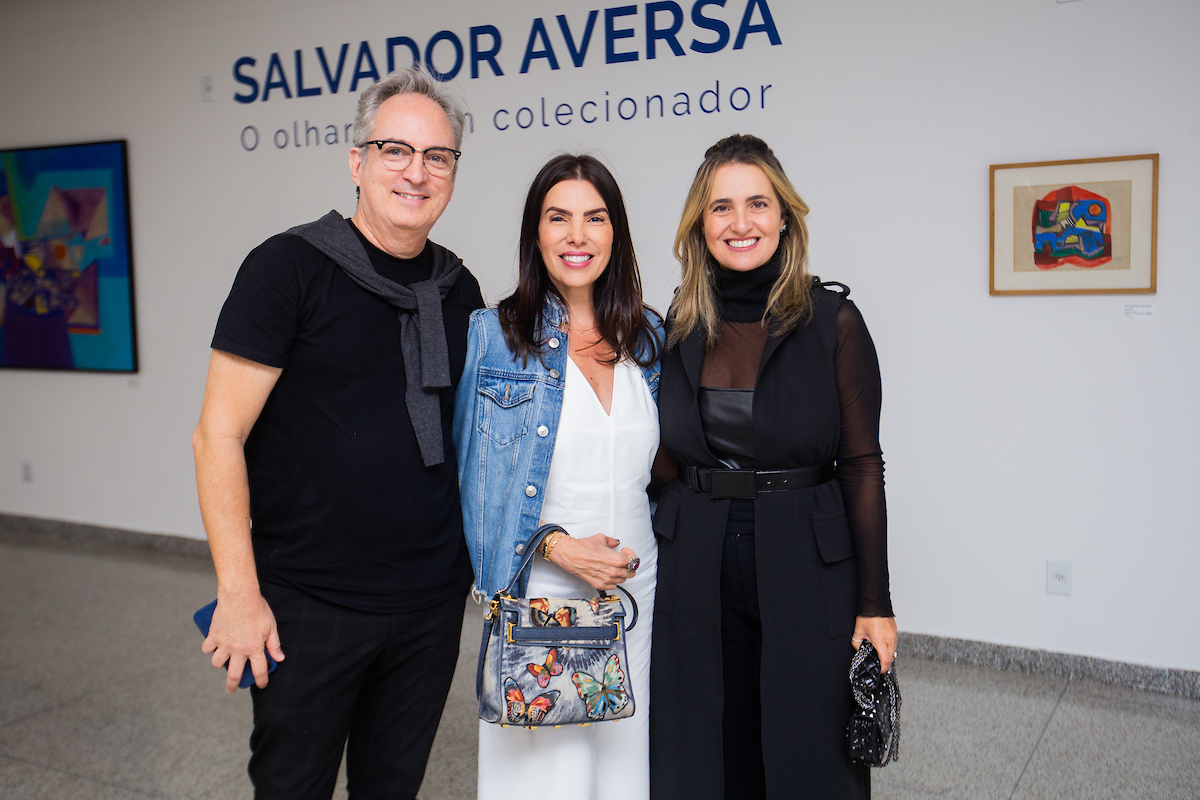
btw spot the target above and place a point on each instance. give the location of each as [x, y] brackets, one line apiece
[741, 651]
[377, 680]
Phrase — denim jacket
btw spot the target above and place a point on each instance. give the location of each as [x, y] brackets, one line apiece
[505, 422]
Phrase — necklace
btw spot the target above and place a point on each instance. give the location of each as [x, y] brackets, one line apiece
[580, 330]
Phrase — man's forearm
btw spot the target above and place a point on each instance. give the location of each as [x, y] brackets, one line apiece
[234, 396]
[224, 492]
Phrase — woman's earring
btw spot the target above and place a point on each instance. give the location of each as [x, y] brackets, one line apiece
[784, 228]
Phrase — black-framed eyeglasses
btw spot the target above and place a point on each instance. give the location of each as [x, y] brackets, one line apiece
[398, 155]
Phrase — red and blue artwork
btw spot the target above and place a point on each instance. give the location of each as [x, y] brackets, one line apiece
[1072, 226]
[66, 275]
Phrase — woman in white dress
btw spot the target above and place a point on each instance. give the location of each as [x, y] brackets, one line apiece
[555, 421]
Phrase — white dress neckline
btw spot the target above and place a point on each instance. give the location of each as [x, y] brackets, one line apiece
[572, 367]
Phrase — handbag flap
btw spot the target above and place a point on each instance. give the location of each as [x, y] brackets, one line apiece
[550, 614]
[563, 637]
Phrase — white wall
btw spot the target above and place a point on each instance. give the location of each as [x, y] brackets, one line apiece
[1016, 429]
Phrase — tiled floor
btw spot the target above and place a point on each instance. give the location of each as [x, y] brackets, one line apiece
[104, 695]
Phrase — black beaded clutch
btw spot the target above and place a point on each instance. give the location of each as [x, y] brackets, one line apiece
[873, 734]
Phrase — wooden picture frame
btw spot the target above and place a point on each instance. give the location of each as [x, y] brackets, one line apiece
[1084, 226]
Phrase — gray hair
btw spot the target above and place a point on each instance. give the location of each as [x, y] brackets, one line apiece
[412, 80]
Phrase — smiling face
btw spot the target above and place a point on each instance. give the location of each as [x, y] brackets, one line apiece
[742, 218]
[575, 237]
[397, 208]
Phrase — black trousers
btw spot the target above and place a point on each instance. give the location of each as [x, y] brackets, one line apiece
[376, 681]
[741, 656]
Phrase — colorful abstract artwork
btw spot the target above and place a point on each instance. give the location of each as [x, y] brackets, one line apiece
[1081, 226]
[1071, 226]
[66, 273]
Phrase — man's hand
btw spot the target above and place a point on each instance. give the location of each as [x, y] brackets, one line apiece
[241, 628]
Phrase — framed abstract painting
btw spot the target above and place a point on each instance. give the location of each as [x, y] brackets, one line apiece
[66, 268]
[1087, 226]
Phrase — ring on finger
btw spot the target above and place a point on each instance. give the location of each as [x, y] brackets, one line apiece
[633, 564]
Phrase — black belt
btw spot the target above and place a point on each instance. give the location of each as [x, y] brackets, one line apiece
[724, 484]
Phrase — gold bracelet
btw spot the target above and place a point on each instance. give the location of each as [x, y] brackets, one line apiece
[550, 543]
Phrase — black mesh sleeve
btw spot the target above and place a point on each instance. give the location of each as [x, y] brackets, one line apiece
[860, 459]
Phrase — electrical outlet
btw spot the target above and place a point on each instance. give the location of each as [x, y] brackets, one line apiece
[26, 472]
[1058, 577]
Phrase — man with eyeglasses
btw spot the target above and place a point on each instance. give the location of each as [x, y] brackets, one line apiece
[325, 469]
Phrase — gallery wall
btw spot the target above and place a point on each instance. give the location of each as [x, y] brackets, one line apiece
[1016, 429]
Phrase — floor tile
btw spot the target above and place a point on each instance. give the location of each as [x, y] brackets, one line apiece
[41, 584]
[966, 732]
[176, 734]
[1107, 743]
[238, 788]
[20, 781]
[150, 597]
[43, 666]
[888, 792]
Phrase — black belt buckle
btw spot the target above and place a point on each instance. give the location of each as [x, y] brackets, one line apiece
[725, 484]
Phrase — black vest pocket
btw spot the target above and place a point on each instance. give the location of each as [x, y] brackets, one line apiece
[666, 516]
[839, 574]
[833, 537]
[666, 513]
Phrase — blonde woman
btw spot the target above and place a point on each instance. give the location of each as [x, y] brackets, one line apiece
[772, 536]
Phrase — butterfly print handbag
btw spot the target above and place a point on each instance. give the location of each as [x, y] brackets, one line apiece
[546, 661]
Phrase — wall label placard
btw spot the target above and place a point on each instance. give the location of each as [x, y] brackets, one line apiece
[1138, 311]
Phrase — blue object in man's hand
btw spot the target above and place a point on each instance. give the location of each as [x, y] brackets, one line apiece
[203, 619]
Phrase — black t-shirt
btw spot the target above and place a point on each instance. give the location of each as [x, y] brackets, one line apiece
[341, 503]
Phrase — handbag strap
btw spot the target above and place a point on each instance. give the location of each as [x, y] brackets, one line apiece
[531, 550]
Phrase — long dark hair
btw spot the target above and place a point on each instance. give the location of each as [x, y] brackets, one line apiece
[617, 293]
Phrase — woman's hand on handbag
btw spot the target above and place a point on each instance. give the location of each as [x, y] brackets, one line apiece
[881, 632]
[593, 560]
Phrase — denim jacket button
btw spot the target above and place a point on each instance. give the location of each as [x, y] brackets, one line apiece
[530, 490]
[520, 548]
[543, 431]
[553, 343]
[553, 373]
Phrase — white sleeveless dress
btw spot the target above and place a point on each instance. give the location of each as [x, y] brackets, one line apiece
[597, 484]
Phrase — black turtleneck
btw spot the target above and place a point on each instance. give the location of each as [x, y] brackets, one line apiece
[743, 295]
